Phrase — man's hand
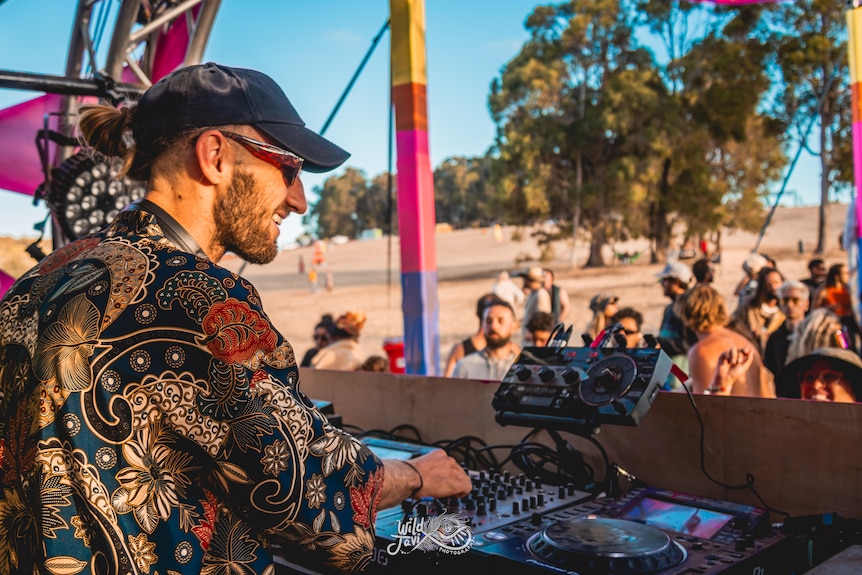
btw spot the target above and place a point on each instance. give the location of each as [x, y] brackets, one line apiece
[435, 474]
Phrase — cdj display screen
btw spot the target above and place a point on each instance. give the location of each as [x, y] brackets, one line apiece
[672, 516]
[390, 453]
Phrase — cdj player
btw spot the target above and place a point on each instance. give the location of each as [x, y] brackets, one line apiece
[645, 532]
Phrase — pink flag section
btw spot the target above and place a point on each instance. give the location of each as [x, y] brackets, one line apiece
[20, 168]
[416, 219]
[731, 2]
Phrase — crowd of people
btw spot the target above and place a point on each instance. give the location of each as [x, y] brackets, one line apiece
[763, 344]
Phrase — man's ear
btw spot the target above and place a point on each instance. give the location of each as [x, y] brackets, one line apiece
[214, 157]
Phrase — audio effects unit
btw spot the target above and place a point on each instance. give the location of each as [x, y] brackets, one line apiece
[571, 388]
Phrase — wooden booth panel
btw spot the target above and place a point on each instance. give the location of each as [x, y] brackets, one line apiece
[805, 456]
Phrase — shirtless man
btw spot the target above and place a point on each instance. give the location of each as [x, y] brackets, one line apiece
[722, 362]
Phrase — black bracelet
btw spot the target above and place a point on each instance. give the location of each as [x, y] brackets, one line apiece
[421, 482]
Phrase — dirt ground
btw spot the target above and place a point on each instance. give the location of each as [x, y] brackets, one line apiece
[365, 275]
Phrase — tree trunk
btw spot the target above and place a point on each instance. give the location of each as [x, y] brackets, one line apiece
[823, 224]
[597, 242]
[576, 217]
[659, 223]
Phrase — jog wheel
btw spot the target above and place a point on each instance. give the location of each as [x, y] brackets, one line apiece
[609, 379]
[607, 547]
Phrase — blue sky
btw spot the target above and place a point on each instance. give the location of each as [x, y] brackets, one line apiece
[312, 49]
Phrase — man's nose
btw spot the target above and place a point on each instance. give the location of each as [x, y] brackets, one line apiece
[296, 197]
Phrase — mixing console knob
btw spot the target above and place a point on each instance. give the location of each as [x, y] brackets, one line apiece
[536, 519]
[533, 501]
[697, 546]
[540, 499]
[510, 490]
[537, 481]
[470, 504]
[406, 505]
[492, 504]
[501, 494]
[529, 485]
[739, 544]
[570, 488]
[516, 508]
[546, 374]
[571, 376]
[422, 510]
[481, 508]
[749, 540]
[525, 504]
[523, 373]
[561, 492]
[506, 476]
[481, 476]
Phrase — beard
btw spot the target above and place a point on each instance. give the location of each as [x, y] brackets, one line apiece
[243, 223]
[496, 341]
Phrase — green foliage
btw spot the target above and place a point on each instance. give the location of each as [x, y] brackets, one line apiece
[348, 204]
[595, 132]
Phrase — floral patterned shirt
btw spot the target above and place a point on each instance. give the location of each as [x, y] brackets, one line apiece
[151, 422]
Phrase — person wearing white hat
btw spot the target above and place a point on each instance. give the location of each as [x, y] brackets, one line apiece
[673, 337]
[538, 298]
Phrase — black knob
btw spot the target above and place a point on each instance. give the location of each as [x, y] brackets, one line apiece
[537, 481]
[529, 485]
[492, 504]
[571, 376]
[749, 540]
[422, 510]
[540, 499]
[522, 480]
[739, 544]
[481, 508]
[561, 492]
[525, 504]
[470, 504]
[546, 374]
[516, 508]
[523, 373]
[570, 488]
[536, 519]
[533, 501]
[697, 545]
[501, 494]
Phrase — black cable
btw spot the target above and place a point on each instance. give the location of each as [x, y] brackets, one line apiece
[356, 74]
[749, 477]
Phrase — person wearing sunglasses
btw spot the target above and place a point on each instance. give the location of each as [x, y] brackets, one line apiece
[826, 374]
[322, 337]
[793, 302]
[151, 418]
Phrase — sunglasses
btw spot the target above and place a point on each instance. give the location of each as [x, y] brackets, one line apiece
[320, 336]
[827, 377]
[290, 164]
[793, 300]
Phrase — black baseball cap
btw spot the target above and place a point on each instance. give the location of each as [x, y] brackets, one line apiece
[214, 95]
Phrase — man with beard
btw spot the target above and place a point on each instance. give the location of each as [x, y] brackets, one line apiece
[151, 419]
[500, 351]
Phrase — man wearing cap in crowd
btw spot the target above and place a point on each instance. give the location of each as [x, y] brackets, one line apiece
[673, 336]
[538, 297]
[151, 419]
[826, 374]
